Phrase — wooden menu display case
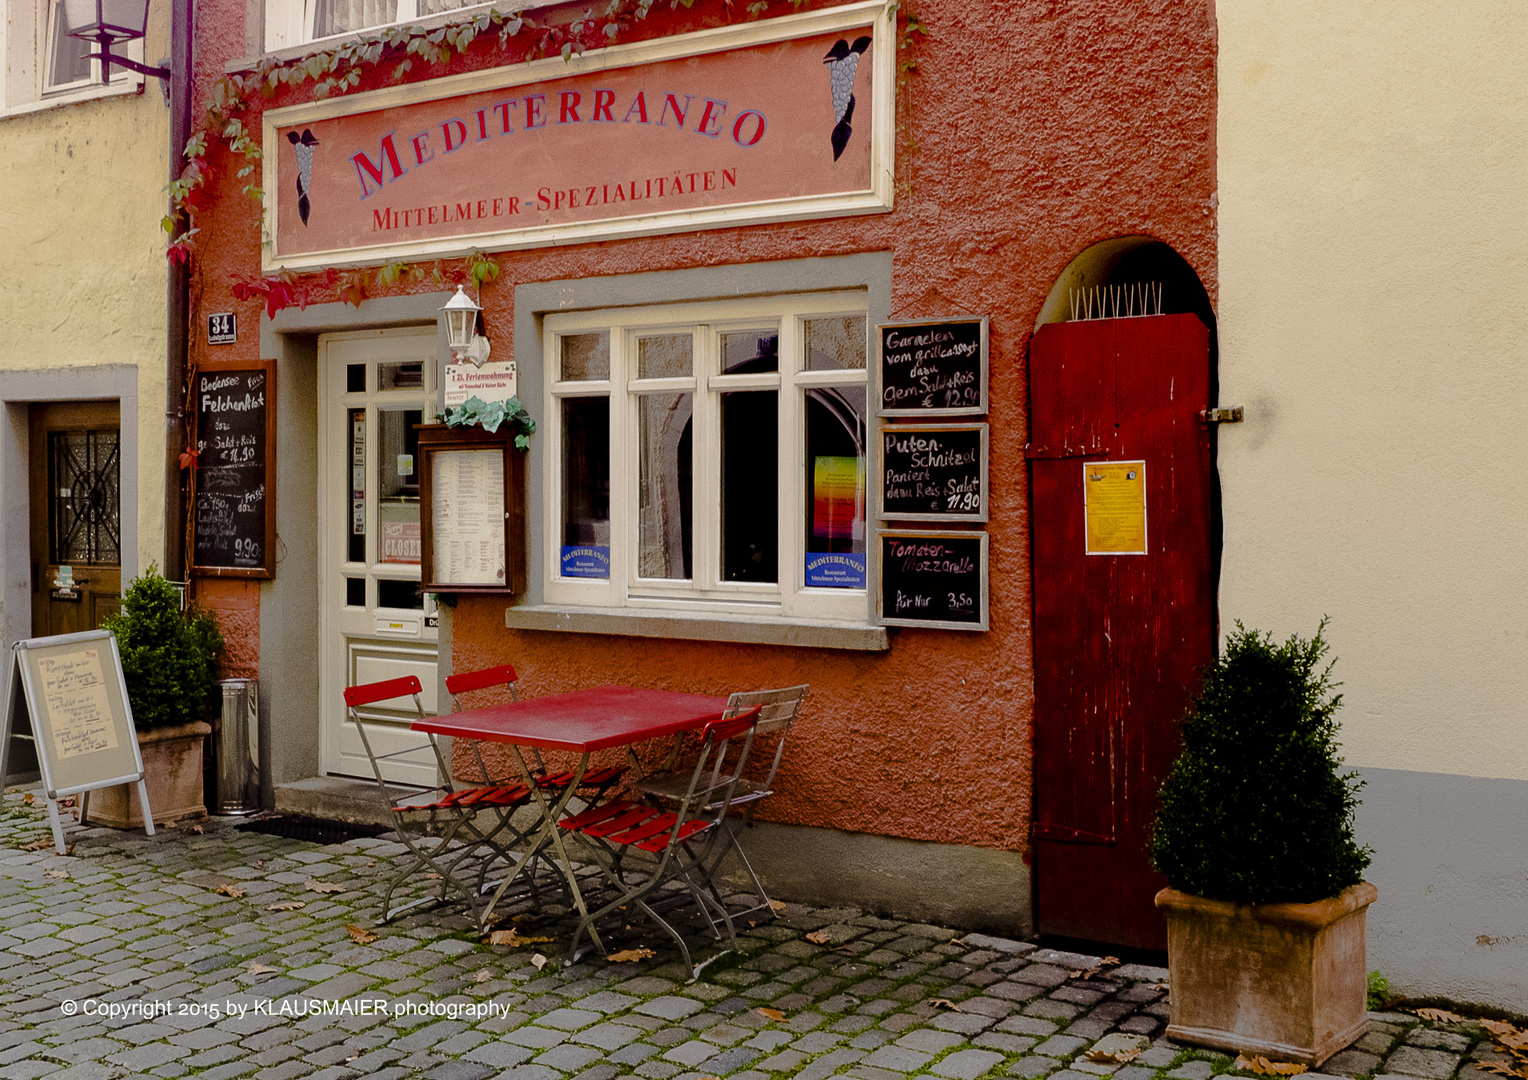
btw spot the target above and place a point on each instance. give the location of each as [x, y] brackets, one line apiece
[472, 510]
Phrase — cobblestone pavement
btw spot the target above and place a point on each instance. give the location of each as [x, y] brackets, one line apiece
[199, 982]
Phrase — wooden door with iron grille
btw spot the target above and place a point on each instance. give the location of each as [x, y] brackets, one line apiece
[76, 515]
[1118, 638]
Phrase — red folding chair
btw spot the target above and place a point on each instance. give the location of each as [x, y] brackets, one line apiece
[595, 781]
[683, 845]
[446, 829]
[777, 712]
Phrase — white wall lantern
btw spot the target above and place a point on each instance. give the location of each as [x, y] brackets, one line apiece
[461, 329]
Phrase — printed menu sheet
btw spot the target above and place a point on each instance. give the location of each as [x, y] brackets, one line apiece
[468, 517]
[74, 688]
[1114, 495]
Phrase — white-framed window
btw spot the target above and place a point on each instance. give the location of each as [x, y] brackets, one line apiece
[709, 457]
[290, 23]
[44, 65]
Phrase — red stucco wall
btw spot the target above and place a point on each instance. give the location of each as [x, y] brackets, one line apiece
[1027, 131]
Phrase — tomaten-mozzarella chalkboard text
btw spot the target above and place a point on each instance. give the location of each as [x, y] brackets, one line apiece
[935, 579]
[234, 528]
[934, 472]
[933, 367]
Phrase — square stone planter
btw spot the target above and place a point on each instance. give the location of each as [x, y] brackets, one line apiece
[1289, 981]
[172, 769]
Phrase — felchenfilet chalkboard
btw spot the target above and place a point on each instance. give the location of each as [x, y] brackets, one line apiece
[934, 472]
[935, 579]
[933, 367]
[234, 526]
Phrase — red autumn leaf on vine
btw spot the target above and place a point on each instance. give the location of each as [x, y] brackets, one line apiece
[179, 254]
[187, 458]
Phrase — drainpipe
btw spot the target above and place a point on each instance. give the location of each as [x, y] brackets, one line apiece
[178, 303]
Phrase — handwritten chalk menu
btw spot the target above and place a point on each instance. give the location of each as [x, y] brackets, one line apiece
[74, 711]
[933, 367]
[934, 472]
[235, 522]
[936, 579]
[467, 514]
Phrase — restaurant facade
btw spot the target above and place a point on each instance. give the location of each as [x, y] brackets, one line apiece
[867, 346]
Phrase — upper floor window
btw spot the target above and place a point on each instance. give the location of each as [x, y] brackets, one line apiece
[296, 22]
[43, 63]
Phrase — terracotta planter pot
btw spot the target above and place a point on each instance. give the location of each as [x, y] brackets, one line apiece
[1289, 981]
[172, 769]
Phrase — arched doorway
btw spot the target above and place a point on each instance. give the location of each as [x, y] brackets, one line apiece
[1125, 532]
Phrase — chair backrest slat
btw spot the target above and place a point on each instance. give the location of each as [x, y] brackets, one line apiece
[777, 708]
[367, 693]
[729, 727]
[464, 681]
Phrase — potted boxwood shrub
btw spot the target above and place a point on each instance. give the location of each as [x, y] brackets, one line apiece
[169, 661]
[1266, 901]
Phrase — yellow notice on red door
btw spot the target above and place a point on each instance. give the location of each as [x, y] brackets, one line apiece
[1114, 506]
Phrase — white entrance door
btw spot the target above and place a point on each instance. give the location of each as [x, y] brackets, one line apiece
[374, 621]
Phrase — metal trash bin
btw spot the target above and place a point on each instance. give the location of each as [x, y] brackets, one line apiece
[237, 748]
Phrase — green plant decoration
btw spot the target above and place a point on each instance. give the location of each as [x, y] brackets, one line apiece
[169, 656]
[492, 415]
[1255, 809]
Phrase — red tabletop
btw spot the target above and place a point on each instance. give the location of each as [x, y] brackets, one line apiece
[582, 721]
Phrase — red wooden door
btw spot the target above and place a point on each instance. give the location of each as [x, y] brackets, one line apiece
[1119, 639]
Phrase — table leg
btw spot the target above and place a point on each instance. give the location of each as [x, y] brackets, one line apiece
[551, 835]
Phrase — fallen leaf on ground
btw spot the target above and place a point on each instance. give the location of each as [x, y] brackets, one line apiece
[1498, 1027]
[1257, 1063]
[197, 829]
[482, 975]
[1441, 1016]
[313, 885]
[230, 889]
[56, 873]
[945, 1003]
[1501, 1068]
[1119, 1048]
[359, 934]
[778, 905]
[288, 905]
[259, 969]
[38, 844]
[1102, 965]
[1158, 986]
[819, 937]
[626, 956]
[771, 1014]
[29, 797]
[513, 938]
[538, 961]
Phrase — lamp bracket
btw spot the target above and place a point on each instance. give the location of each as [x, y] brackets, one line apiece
[111, 59]
[478, 352]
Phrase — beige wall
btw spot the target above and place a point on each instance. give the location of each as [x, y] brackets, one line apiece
[82, 266]
[1373, 162]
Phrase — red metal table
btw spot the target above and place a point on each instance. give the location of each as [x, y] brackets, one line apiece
[581, 722]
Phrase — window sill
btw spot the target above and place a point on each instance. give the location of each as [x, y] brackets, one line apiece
[752, 630]
[125, 88]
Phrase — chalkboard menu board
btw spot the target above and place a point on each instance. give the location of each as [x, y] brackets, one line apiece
[936, 579]
[234, 528]
[933, 367]
[934, 472]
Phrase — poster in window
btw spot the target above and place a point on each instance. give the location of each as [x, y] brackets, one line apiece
[838, 484]
[1114, 503]
[585, 561]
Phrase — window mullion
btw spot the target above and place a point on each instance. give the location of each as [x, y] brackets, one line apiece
[623, 484]
[706, 468]
[792, 444]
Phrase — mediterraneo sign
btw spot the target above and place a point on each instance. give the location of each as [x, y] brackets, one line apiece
[783, 119]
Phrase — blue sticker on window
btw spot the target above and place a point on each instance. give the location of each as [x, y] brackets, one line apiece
[835, 571]
[586, 562]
